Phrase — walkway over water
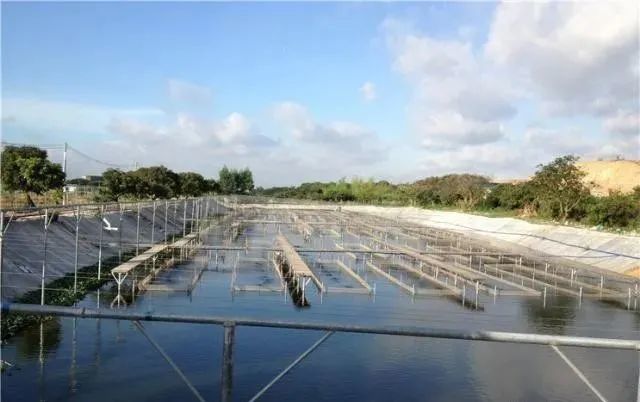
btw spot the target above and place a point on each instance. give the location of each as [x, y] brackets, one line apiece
[376, 276]
[296, 263]
[123, 270]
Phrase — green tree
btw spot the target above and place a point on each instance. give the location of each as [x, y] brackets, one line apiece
[192, 184]
[559, 186]
[155, 182]
[615, 210]
[27, 169]
[511, 196]
[213, 186]
[244, 181]
[113, 185]
[226, 179]
[234, 181]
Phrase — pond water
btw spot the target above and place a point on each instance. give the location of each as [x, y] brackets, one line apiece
[107, 360]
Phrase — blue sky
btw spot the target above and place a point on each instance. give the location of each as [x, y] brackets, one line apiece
[302, 92]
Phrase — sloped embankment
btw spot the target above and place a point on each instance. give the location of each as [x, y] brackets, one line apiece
[23, 245]
[613, 252]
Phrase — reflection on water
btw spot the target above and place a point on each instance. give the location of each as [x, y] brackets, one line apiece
[553, 318]
[39, 339]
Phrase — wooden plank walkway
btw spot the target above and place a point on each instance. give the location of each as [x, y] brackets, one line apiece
[392, 279]
[296, 263]
[121, 272]
[355, 276]
[134, 262]
[409, 252]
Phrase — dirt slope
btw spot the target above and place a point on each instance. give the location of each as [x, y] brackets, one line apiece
[622, 175]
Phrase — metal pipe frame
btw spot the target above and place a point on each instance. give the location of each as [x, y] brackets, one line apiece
[487, 336]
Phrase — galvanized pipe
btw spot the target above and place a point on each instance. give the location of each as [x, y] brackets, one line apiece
[138, 231]
[580, 374]
[227, 361]
[100, 241]
[291, 366]
[487, 336]
[169, 360]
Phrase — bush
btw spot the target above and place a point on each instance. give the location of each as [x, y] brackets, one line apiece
[616, 210]
[510, 196]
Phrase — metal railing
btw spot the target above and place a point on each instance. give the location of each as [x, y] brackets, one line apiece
[230, 324]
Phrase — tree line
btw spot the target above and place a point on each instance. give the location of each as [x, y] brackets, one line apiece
[26, 169]
[157, 182]
[556, 191]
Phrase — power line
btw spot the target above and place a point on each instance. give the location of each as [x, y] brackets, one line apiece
[61, 147]
[110, 164]
[41, 146]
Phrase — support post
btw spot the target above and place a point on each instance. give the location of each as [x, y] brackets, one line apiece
[138, 231]
[1, 236]
[166, 207]
[184, 218]
[227, 361]
[3, 230]
[75, 259]
[120, 233]
[100, 241]
[153, 223]
[175, 220]
[64, 170]
[44, 254]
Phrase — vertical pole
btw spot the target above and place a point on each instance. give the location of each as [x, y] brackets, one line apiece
[175, 220]
[227, 361]
[193, 210]
[138, 231]
[100, 241]
[120, 233]
[44, 255]
[1, 236]
[64, 170]
[638, 399]
[75, 259]
[198, 216]
[184, 218]
[153, 223]
[166, 207]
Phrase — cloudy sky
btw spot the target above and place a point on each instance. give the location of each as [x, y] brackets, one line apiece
[304, 92]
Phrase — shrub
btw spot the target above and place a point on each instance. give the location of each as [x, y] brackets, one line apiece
[616, 210]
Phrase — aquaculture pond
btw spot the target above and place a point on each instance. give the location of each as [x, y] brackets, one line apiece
[109, 360]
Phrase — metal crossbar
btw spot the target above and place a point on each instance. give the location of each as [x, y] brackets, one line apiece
[487, 336]
[229, 325]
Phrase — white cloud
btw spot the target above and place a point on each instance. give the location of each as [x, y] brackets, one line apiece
[295, 117]
[624, 123]
[234, 128]
[58, 116]
[232, 133]
[368, 91]
[496, 159]
[576, 57]
[336, 143]
[457, 99]
[550, 142]
[187, 92]
[566, 59]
